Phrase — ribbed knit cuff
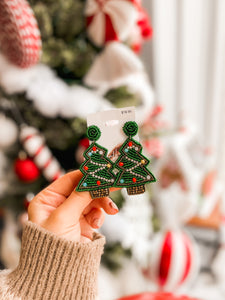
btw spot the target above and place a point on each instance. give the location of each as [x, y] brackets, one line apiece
[52, 268]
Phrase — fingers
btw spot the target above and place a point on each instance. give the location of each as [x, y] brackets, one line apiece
[70, 211]
[66, 184]
[54, 195]
[106, 203]
[95, 218]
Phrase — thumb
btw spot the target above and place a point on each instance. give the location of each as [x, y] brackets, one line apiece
[70, 210]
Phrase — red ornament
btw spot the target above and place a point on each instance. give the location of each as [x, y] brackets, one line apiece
[164, 268]
[134, 179]
[26, 170]
[156, 296]
[94, 148]
[130, 144]
[86, 168]
[98, 182]
[84, 143]
[121, 164]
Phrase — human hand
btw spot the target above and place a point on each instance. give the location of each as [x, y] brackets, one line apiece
[67, 213]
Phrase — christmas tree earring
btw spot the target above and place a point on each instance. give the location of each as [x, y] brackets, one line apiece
[132, 164]
[97, 168]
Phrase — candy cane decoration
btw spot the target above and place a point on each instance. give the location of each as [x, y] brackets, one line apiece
[110, 20]
[174, 260]
[19, 34]
[33, 143]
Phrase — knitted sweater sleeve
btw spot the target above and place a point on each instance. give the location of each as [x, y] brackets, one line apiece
[51, 267]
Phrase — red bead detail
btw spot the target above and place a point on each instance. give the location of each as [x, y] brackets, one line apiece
[98, 182]
[121, 163]
[86, 168]
[134, 179]
[94, 148]
[130, 144]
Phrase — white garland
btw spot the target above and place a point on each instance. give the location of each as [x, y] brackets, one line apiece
[50, 94]
[52, 97]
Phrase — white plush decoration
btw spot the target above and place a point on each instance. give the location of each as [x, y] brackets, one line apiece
[14, 79]
[116, 233]
[84, 102]
[110, 20]
[114, 64]
[127, 281]
[50, 95]
[8, 132]
[181, 202]
[174, 206]
[117, 65]
[137, 212]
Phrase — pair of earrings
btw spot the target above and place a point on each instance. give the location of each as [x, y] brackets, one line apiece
[129, 171]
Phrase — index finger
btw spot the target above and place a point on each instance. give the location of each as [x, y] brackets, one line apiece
[66, 184]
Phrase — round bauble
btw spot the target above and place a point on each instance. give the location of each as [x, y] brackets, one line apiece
[26, 170]
[27, 200]
[174, 260]
[156, 296]
[8, 132]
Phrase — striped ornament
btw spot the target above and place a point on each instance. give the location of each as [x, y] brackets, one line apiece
[35, 147]
[19, 34]
[156, 296]
[110, 20]
[174, 260]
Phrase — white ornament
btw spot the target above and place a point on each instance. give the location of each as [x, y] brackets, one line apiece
[114, 233]
[116, 63]
[174, 260]
[8, 132]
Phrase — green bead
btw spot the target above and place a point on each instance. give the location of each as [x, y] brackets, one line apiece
[130, 128]
[93, 133]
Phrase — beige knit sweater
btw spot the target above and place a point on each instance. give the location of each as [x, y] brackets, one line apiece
[51, 267]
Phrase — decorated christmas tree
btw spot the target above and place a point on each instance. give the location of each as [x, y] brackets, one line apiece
[132, 164]
[52, 75]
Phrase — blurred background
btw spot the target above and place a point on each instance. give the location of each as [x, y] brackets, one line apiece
[62, 60]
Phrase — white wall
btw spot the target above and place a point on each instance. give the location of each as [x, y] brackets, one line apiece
[186, 62]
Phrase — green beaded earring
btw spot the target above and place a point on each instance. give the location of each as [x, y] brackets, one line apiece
[132, 164]
[97, 168]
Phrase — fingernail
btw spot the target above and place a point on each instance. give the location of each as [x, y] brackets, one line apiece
[113, 205]
[96, 223]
